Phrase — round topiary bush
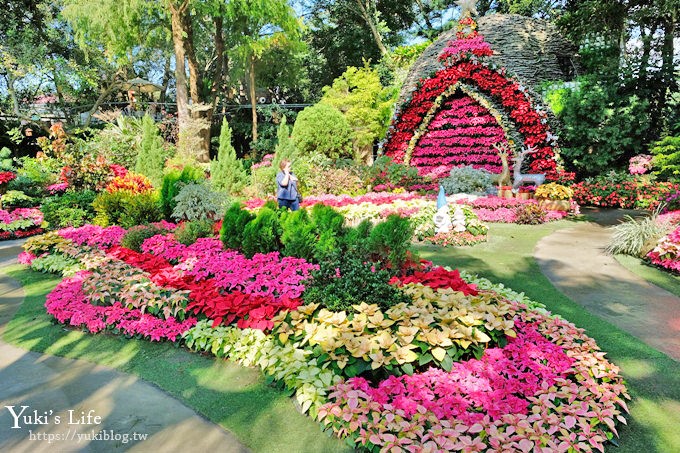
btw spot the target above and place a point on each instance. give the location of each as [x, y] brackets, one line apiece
[323, 129]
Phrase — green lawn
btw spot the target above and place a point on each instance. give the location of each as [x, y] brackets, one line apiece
[653, 378]
[654, 275]
[265, 420]
[237, 398]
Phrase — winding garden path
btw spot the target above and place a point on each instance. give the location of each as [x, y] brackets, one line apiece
[55, 385]
[574, 260]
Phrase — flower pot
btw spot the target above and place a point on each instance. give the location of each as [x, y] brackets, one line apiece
[524, 195]
[504, 192]
[554, 205]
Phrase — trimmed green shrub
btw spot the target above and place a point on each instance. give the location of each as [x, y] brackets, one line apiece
[198, 202]
[330, 229]
[126, 209]
[321, 128]
[390, 240]
[235, 220]
[152, 155]
[227, 172]
[136, 235]
[341, 283]
[263, 233]
[298, 234]
[357, 240]
[189, 232]
[467, 180]
[72, 209]
[172, 184]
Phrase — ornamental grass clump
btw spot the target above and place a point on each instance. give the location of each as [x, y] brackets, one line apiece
[636, 236]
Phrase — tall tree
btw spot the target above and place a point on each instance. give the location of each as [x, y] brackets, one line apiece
[261, 26]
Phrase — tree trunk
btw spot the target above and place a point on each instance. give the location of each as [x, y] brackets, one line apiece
[646, 52]
[251, 89]
[219, 61]
[669, 81]
[13, 94]
[176, 12]
[365, 13]
[195, 75]
[166, 81]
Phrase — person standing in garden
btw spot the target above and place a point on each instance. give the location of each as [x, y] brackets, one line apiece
[286, 187]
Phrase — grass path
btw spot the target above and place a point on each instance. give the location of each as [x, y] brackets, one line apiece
[653, 379]
[262, 417]
[662, 279]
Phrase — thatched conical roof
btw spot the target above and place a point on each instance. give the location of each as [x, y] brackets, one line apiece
[531, 49]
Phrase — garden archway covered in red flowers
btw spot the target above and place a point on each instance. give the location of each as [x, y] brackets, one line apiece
[456, 116]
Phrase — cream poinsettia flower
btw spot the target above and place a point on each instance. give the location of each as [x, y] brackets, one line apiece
[384, 340]
[405, 354]
[377, 360]
[306, 309]
[407, 334]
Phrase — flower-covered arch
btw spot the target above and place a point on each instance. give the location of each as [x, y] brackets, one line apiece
[456, 116]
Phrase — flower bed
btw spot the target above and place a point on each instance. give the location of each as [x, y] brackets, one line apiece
[377, 206]
[457, 364]
[627, 194]
[20, 222]
[666, 254]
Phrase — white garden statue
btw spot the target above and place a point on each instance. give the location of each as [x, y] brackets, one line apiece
[442, 219]
[458, 222]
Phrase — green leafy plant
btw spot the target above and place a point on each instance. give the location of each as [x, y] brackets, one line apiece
[173, 181]
[43, 171]
[321, 128]
[285, 148]
[298, 234]
[390, 241]
[601, 127]
[126, 209]
[330, 229]
[341, 283]
[467, 180]
[119, 141]
[263, 233]
[198, 202]
[152, 155]
[667, 157]
[6, 161]
[188, 232]
[72, 209]
[235, 220]
[365, 104]
[530, 214]
[136, 235]
[227, 172]
[17, 199]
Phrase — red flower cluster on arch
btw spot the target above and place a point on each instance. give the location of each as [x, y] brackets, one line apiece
[463, 65]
